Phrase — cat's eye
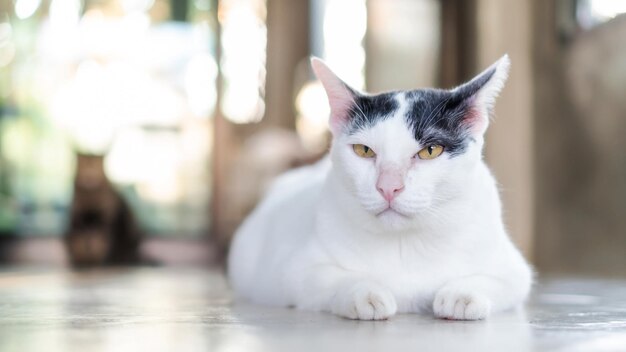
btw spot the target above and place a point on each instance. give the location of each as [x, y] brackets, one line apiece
[363, 151]
[430, 152]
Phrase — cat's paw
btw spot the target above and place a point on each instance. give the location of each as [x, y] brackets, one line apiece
[365, 301]
[460, 305]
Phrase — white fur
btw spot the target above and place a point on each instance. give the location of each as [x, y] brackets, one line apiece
[316, 242]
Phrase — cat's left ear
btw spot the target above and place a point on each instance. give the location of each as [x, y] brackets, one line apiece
[340, 95]
[481, 93]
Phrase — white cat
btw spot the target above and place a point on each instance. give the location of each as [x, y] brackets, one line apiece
[403, 216]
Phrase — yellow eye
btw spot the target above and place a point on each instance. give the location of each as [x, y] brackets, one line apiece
[363, 151]
[430, 152]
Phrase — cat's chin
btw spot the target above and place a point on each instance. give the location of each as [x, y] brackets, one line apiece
[393, 219]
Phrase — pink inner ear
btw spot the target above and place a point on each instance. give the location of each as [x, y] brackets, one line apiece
[474, 118]
[340, 96]
[339, 108]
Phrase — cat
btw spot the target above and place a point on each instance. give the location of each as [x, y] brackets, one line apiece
[102, 229]
[403, 216]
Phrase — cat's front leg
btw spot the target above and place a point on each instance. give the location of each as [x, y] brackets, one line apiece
[364, 300]
[475, 297]
[344, 293]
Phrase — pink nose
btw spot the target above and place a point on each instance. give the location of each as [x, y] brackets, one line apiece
[389, 185]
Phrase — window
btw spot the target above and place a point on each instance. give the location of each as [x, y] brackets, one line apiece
[134, 80]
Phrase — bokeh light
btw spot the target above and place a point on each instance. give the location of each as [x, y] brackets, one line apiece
[244, 40]
[344, 26]
[26, 8]
[607, 9]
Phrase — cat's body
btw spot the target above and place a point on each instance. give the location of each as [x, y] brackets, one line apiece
[365, 236]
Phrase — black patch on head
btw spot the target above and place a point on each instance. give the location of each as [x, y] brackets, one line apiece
[367, 110]
[440, 116]
[435, 116]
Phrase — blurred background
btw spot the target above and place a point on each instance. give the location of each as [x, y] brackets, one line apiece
[154, 126]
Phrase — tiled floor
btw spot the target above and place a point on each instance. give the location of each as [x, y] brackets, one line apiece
[190, 309]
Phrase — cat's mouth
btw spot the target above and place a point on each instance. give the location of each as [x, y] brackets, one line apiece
[390, 211]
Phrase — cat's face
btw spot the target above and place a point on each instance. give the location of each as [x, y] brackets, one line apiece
[401, 176]
[400, 154]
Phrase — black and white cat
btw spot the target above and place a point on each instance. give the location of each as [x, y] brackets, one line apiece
[404, 215]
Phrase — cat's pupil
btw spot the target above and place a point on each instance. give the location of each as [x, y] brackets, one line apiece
[430, 150]
[366, 149]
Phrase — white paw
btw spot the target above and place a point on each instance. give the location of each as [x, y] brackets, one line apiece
[460, 305]
[365, 301]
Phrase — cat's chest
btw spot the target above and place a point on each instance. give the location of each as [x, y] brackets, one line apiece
[415, 277]
[414, 257]
[414, 264]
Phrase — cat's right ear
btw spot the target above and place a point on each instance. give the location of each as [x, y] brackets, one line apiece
[340, 95]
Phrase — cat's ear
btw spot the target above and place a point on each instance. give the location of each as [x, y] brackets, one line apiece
[340, 95]
[481, 92]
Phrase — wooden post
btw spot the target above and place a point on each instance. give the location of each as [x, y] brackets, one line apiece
[458, 42]
[287, 46]
[505, 26]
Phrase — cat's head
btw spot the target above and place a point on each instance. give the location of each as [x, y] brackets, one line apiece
[90, 171]
[402, 154]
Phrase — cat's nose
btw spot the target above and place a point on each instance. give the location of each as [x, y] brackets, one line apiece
[389, 185]
[390, 193]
